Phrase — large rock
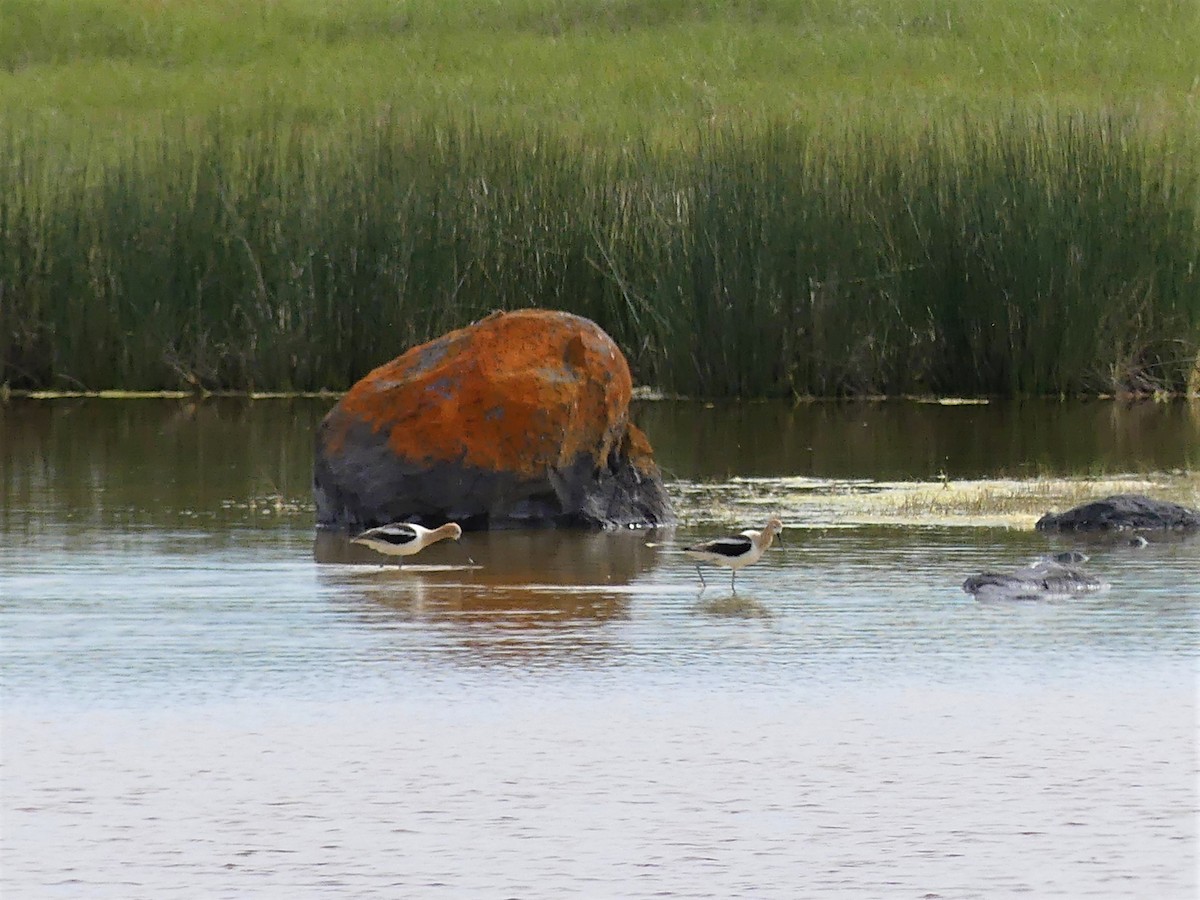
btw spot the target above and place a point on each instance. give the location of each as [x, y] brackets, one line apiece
[1051, 576]
[1121, 512]
[520, 419]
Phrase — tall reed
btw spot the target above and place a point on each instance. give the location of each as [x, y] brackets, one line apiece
[1007, 255]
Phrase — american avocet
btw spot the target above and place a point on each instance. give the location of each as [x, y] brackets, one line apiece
[737, 551]
[403, 539]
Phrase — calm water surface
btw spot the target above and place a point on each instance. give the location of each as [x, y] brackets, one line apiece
[201, 699]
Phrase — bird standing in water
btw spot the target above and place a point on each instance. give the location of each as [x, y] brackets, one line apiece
[735, 552]
[403, 539]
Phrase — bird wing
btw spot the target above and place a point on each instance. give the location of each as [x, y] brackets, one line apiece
[398, 535]
[727, 546]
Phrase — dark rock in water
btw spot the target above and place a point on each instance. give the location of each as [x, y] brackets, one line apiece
[521, 419]
[1067, 558]
[1122, 512]
[1046, 578]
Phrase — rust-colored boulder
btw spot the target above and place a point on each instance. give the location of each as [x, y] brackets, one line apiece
[519, 419]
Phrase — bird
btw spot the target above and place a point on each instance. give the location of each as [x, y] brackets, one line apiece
[404, 539]
[736, 551]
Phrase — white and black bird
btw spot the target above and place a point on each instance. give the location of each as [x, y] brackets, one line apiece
[735, 552]
[404, 539]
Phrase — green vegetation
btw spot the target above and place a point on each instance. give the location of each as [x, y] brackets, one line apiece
[755, 198]
[599, 67]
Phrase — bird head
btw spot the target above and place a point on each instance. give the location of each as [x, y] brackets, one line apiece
[774, 528]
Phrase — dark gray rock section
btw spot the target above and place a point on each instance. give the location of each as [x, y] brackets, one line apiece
[1044, 579]
[368, 485]
[1122, 512]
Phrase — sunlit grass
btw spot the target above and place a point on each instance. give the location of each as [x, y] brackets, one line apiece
[997, 503]
[1018, 500]
[598, 67]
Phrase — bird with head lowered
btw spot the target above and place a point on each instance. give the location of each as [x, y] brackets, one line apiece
[405, 539]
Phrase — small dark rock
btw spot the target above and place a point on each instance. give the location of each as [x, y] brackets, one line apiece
[1122, 512]
[1068, 557]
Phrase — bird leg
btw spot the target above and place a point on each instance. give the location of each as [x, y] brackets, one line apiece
[703, 583]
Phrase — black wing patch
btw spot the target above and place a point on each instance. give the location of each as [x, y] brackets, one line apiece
[397, 535]
[730, 546]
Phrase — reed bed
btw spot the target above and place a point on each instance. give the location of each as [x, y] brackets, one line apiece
[1017, 253]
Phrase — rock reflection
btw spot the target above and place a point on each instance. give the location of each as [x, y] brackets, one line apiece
[1130, 541]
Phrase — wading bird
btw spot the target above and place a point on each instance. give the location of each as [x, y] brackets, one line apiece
[403, 539]
[735, 552]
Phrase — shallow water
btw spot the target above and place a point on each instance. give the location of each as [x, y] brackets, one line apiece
[202, 699]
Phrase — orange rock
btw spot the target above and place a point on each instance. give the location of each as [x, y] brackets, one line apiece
[521, 418]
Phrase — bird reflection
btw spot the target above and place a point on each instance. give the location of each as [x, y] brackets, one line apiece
[529, 594]
[734, 606]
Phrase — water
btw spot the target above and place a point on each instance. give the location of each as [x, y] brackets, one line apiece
[199, 699]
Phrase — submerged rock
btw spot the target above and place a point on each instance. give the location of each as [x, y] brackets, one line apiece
[521, 419]
[1122, 512]
[1049, 577]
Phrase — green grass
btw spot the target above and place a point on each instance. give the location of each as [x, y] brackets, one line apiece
[1024, 256]
[757, 198]
[595, 67]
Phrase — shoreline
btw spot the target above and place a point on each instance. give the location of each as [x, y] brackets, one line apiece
[640, 394]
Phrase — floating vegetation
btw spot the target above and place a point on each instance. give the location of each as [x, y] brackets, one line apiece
[271, 505]
[832, 503]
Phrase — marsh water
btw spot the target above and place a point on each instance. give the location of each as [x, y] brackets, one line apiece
[201, 697]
